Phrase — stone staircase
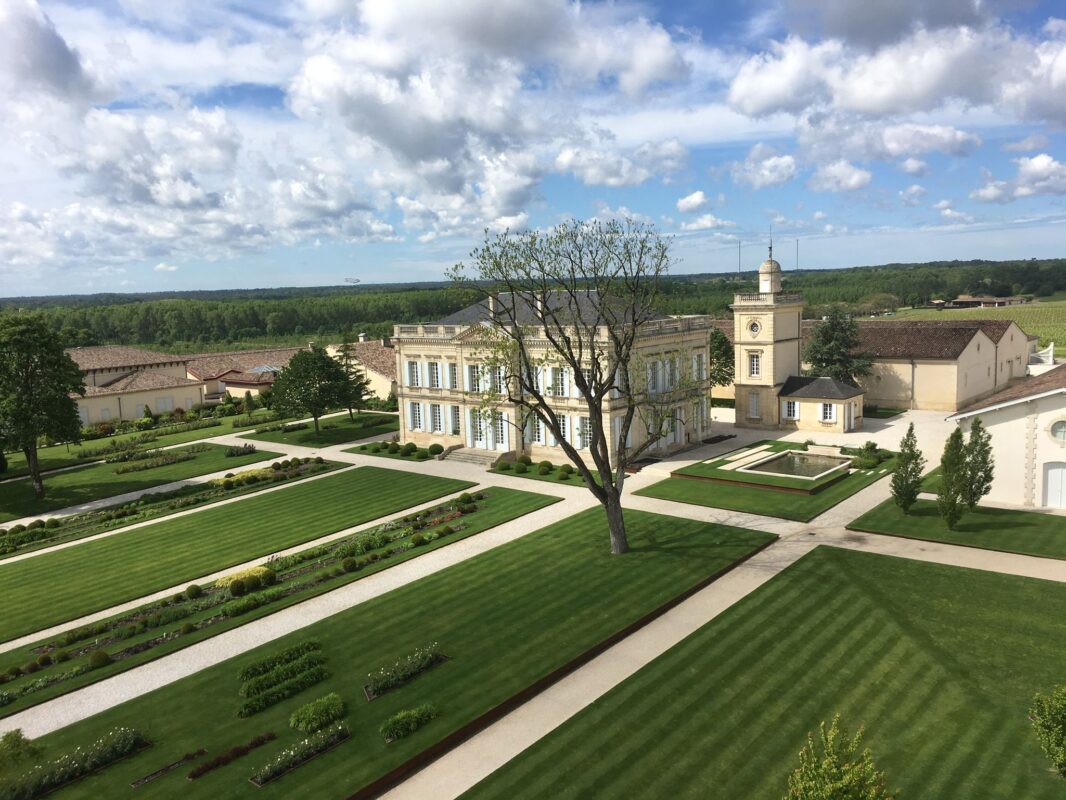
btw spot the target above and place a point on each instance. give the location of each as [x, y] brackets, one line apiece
[473, 455]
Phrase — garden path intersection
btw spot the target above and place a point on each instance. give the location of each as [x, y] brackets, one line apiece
[473, 760]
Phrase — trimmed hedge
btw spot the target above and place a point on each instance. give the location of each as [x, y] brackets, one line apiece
[283, 691]
[408, 721]
[317, 714]
[300, 753]
[230, 755]
[281, 657]
[280, 674]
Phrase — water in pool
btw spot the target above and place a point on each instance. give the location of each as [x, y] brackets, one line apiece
[798, 464]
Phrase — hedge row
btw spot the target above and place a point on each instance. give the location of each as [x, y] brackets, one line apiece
[280, 674]
[408, 721]
[288, 654]
[404, 669]
[317, 714]
[230, 755]
[283, 691]
[300, 753]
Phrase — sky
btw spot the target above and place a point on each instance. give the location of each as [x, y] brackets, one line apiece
[149, 146]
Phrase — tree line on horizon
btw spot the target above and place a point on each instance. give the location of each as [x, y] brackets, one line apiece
[192, 320]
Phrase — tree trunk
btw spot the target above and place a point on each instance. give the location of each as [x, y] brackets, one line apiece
[351, 413]
[35, 471]
[616, 523]
[316, 425]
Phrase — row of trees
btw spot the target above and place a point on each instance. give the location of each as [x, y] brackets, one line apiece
[313, 382]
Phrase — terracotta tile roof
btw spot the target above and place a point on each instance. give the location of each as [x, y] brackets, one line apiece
[913, 339]
[1050, 381]
[208, 366]
[112, 356]
[253, 378]
[140, 381]
[377, 357]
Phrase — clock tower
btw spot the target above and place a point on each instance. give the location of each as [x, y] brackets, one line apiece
[766, 346]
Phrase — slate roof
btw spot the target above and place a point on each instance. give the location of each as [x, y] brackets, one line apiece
[140, 381]
[818, 388]
[1051, 381]
[208, 366]
[117, 356]
[526, 313]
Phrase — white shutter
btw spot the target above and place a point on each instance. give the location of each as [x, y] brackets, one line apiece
[506, 433]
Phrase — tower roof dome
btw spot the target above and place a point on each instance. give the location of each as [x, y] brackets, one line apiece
[769, 265]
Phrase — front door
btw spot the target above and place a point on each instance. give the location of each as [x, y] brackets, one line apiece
[1055, 485]
[477, 429]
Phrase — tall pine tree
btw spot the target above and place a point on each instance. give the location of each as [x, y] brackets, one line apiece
[953, 476]
[833, 349]
[979, 464]
[907, 479]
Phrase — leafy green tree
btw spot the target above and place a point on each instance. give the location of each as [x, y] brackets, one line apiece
[1048, 715]
[837, 767]
[16, 748]
[146, 412]
[979, 464]
[313, 382]
[907, 478]
[833, 349]
[357, 385]
[949, 499]
[720, 362]
[249, 403]
[37, 379]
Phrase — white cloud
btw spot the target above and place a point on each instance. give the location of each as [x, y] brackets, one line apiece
[913, 166]
[1036, 175]
[692, 202]
[34, 55]
[763, 167]
[875, 22]
[912, 195]
[839, 176]
[162, 266]
[818, 215]
[706, 222]
[1036, 141]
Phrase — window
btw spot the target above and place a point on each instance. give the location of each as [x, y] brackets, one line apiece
[164, 404]
[105, 414]
[754, 365]
[1058, 431]
[653, 377]
[829, 412]
[558, 387]
[434, 375]
[473, 378]
[564, 423]
[497, 379]
[436, 419]
[416, 416]
[699, 367]
[587, 373]
[477, 425]
[671, 373]
[453, 376]
[536, 431]
[498, 423]
[753, 405]
[791, 409]
[584, 432]
[456, 416]
[413, 374]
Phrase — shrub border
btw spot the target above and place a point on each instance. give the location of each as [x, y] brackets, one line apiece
[416, 762]
[371, 696]
[294, 767]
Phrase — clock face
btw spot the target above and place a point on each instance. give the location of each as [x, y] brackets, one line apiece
[754, 327]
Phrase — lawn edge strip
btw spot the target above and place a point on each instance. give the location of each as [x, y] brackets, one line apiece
[852, 527]
[816, 489]
[412, 765]
[270, 609]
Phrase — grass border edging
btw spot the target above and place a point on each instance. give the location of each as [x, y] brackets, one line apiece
[418, 761]
[757, 485]
[1025, 553]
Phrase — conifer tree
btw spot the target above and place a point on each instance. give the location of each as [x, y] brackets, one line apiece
[953, 476]
[907, 479]
[979, 464]
[721, 364]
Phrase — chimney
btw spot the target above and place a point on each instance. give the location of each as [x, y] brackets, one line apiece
[362, 337]
[492, 306]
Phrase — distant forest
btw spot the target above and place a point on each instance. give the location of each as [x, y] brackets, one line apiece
[185, 321]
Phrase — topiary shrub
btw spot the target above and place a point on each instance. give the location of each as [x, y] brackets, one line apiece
[227, 483]
[409, 448]
[268, 577]
[504, 466]
[61, 656]
[320, 460]
[564, 476]
[30, 667]
[237, 588]
[418, 540]
[447, 530]
[464, 498]
[544, 469]
[192, 591]
[187, 628]
[44, 660]
[566, 469]
[52, 523]
[525, 460]
[422, 455]
[98, 659]
[521, 468]
[350, 564]
[436, 449]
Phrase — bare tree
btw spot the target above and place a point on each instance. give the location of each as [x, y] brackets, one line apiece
[577, 298]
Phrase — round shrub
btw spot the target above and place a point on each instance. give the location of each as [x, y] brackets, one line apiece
[376, 448]
[237, 587]
[521, 468]
[61, 656]
[469, 508]
[30, 667]
[547, 464]
[228, 475]
[16, 529]
[227, 483]
[349, 564]
[320, 460]
[436, 449]
[418, 540]
[15, 671]
[187, 628]
[193, 590]
[269, 577]
[250, 478]
[409, 448]
[447, 530]
[504, 466]
[525, 460]
[52, 523]
[464, 498]
[275, 466]
[252, 582]
[44, 660]
[37, 523]
[566, 469]
[422, 455]
[98, 658]
[564, 476]
[544, 469]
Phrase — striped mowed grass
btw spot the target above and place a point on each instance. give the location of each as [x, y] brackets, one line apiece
[505, 618]
[938, 663]
[55, 587]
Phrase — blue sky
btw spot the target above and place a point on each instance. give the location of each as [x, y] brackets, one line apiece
[197, 144]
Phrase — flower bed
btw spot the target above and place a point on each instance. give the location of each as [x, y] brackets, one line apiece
[280, 674]
[283, 657]
[407, 722]
[173, 765]
[403, 671]
[46, 778]
[282, 691]
[230, 755]
[317, 714]
[240, 450]
[300, 753]
[160, 460]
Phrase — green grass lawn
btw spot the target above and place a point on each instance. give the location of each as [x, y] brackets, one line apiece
[1029, 532]
[498, 505]
[334, 430]
[98, 481]
[882, 413]
[714, 468]
[505, 619]
[767, 502]
[555, 476]
[51, 588]
[939, 664]
[931, 481]
[65, 455]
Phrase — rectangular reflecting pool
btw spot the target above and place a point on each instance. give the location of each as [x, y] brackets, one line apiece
[797, 464]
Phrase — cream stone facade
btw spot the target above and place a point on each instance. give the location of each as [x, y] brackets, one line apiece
[443, 380]
[1027, 423]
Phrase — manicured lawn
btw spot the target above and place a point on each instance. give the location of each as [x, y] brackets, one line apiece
[498, 505]
[334, 430]
[767, 502]
[54, 587]
[98, 481]
[939, 664]
[555, 476]
[882, 413]
[1028, 532]
[505, 619]
[65, 455]
[931, 481]
[716, 468]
